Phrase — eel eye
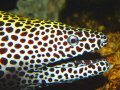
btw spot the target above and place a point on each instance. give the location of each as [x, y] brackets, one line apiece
[72, 40]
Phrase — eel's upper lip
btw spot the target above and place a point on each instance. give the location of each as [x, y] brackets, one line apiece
[104, 40]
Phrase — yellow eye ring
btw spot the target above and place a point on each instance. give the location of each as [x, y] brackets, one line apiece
[73, 40]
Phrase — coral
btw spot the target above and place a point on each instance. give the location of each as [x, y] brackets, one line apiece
[43, 9]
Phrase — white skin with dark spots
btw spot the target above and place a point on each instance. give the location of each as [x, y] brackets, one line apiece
[29, 69]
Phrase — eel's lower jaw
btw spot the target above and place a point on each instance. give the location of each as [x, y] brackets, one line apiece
[100, 65]
[89, 68]
[71, 71]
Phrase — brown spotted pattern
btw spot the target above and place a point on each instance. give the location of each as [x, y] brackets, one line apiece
[27, 45]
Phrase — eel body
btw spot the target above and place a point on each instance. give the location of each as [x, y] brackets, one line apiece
[28, 46]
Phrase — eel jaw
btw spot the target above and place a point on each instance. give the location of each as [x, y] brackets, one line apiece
[104, 41]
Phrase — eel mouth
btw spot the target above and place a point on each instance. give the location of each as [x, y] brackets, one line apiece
[82, 60]
[84, 66]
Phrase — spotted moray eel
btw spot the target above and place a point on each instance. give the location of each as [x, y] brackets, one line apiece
[28, 46]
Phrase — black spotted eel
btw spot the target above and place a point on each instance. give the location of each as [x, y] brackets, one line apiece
[28, 46]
